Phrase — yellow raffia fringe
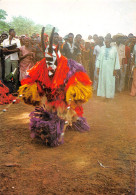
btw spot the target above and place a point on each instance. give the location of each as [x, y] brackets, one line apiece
[79, 92]
[29, 92]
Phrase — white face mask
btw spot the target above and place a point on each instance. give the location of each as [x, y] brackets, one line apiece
[51, 60]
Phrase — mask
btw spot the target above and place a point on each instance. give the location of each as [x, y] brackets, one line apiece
[51, 53]
[51, 60]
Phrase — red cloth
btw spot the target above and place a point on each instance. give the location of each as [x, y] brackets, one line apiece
[40, 73]
[5, 97]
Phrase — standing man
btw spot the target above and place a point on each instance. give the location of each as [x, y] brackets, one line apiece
[120, 80]
[4, 36]
[97, 48]
[107, 64]
[68, 48]
[56, 39]
[127, 62]
[86, 56]
[71, 49]
[77, 48]
[11, 59]
[95, 38]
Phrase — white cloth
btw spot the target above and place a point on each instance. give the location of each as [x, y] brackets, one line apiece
[96, 52]
[107, 62]
[6, 42]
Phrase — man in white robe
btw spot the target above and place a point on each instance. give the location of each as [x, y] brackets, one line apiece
[107, 64]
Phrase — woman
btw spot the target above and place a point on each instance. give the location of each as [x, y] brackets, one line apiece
[22, 40]
[26, 58]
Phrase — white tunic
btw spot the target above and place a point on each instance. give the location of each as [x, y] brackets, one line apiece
[107, 61]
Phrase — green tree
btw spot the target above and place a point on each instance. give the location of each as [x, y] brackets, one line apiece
[3, 14]
[23, 25]
[4, 26]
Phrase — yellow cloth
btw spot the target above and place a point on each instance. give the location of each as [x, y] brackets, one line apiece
[79, 92]
[29, 93]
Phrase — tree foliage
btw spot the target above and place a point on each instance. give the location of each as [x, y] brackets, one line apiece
[4, 26]
[3, 14]
[23, 25]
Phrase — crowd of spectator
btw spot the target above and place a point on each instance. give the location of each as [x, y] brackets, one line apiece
[18, 54]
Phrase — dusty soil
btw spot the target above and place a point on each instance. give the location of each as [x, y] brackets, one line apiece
[28, 167]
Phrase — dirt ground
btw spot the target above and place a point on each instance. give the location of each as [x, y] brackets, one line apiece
[101, 161]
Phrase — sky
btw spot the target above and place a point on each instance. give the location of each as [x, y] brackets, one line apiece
[85, 17]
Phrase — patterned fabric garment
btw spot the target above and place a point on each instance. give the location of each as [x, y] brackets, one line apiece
[26, 63]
